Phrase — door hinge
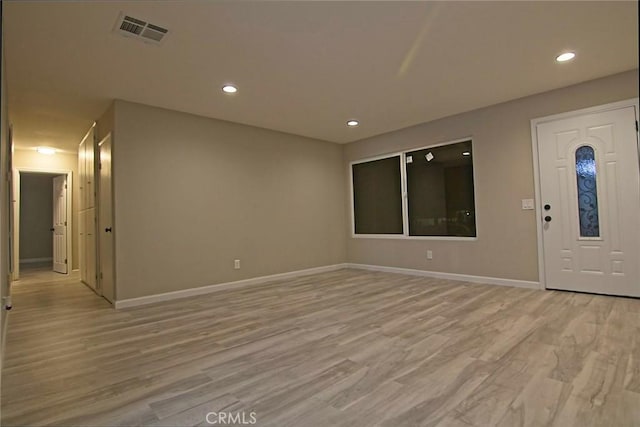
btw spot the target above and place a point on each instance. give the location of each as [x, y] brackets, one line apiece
[101, 276]
[65, 223]
[65, 186]
[65, 260]
[100, 165]
[636, 126]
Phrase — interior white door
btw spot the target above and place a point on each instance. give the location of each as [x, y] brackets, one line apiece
[60, 224]
[105, 221]
[590, 200]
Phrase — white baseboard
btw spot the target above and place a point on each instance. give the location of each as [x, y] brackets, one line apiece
[35, 260]
[449, 276]
[133, 302]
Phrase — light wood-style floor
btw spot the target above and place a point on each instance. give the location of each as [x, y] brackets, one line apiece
[347, 348]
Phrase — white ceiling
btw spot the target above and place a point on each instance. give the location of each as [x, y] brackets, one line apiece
[301, 67]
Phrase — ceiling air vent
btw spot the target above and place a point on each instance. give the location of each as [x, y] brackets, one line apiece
[139, 29]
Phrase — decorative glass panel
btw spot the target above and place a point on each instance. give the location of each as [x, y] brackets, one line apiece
[587, 192]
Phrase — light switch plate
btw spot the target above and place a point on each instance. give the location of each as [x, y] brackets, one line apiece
[527, 205]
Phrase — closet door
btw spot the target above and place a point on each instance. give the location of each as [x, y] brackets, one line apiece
[87, 210]
[81, 176]
[90, 175]
[82, 245]
[82, 256]
[90, 241]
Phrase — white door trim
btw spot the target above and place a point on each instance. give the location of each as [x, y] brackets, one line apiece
[16, 214]
[536, 166]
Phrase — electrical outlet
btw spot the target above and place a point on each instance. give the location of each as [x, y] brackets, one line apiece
[429, 255]
[236, 264]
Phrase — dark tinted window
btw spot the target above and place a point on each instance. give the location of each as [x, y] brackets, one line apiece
[377, 198]
[440, 191]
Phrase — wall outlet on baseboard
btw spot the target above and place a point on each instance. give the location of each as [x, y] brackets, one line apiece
[236, 264]
[429, 254]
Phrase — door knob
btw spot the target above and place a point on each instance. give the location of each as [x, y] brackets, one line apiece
[52, 229]
[547, 218]
[547, 207]
[107, 230]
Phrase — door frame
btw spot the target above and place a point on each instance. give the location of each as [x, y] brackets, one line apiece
[15, 274]
[633, 102]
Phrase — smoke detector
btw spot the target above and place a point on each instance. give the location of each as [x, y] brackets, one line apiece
[139, 29]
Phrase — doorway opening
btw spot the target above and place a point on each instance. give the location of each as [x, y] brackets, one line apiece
[42, 221]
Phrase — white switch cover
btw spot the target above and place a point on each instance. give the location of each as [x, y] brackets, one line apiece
[429, 255]
[236, 264]
[527, 204]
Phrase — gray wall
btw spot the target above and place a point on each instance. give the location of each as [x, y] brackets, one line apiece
[36, 216]
[4, 196]
[192, 194]
[507, 244]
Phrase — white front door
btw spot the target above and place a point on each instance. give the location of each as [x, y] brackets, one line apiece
[60, 224]
[590, 202]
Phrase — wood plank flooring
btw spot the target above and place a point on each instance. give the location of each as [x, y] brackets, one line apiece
[346, 348]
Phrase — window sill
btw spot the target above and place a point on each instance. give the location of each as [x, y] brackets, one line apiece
[406, 237]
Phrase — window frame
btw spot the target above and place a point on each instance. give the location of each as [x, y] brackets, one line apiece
[404, 195]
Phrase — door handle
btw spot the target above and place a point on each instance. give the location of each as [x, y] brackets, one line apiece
[52, 229]
[107, 230]
[547, 218]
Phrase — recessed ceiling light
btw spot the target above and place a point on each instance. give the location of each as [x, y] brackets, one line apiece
[46, 150]
[567, 56]
[353, 123]
[466, 153]
[229, 89]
